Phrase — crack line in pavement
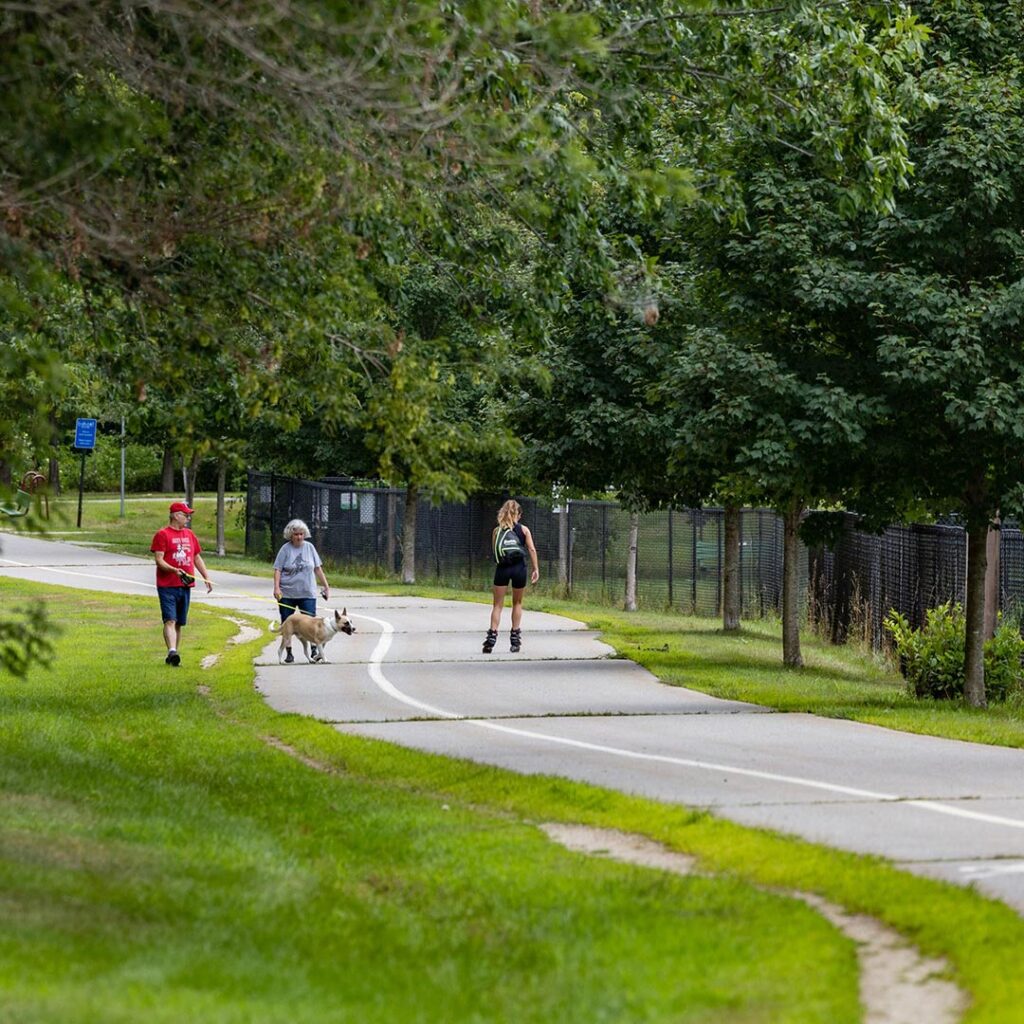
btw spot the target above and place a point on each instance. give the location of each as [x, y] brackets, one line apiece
[520, 717]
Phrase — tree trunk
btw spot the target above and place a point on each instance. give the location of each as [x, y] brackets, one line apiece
[974, 651]
[791, 656]
[167, 473]
[731, 571]
[634, 533]
[53, 476]
[409, 534]
[222, 479]
[190, 483]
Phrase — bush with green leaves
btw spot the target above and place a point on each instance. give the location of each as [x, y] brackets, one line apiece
[143, 466]
[932, 657]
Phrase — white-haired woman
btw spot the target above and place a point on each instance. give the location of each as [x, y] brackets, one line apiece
[296, 569]
[512, 544]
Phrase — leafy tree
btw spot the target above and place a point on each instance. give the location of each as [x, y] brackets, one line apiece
[896, 334]
[431, 422]
[938, 286]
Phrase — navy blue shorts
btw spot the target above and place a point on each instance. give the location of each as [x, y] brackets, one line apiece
[514, 574]
[174, 603]
[289, 604]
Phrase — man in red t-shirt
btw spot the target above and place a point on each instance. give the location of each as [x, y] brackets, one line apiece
[177, 552]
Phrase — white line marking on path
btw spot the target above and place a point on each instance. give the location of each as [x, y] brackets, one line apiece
[377, 675]
[70, 572]
[377, 658]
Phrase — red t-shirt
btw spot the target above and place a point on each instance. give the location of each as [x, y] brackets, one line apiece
[179, 548]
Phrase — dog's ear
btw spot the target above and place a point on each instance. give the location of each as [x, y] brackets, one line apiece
[344, 611]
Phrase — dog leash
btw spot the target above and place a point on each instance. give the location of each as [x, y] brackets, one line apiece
[183, 576]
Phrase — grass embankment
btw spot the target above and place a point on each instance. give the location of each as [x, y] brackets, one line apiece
[102, 524]
[160, 860]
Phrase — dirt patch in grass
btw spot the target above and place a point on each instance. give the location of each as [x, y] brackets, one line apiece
[897, 984]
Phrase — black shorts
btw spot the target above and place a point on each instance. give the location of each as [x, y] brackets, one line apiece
[514, 574]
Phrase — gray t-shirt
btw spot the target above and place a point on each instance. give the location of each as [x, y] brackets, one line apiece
[297, 565]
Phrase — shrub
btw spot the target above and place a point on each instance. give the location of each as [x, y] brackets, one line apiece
[932, 658]
[143, 466]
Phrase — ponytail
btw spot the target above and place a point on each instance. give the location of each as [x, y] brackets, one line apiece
[508, 514]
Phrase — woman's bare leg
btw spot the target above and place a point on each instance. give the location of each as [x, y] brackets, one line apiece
[517, 606]
[498, 596]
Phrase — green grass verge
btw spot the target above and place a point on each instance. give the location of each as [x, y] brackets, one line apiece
[103, 525]
[160, 861]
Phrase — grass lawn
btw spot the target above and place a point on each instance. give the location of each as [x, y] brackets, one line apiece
[144, 515]
[160, 861]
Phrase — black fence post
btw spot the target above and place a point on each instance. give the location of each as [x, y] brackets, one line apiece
[248, 507]
[670, 558]
[720, 526]
[760, 557]
[569, 546]
[739, 568]
[273, 508]
[693, 552]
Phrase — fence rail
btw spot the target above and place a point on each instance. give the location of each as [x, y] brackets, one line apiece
[848, 588]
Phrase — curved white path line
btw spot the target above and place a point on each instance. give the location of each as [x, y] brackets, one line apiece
[377, 675]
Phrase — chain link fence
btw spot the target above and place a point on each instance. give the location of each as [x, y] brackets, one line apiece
[910, 569]
[583, 545]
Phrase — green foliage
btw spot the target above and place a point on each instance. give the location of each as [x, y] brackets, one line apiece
[932, 657]
[26, 639]
[143, 466]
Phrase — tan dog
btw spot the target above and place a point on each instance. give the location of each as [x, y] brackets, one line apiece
[311, 630]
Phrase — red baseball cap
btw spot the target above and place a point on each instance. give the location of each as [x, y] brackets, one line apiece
[180, 506]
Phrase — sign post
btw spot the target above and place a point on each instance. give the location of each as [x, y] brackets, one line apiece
[85, 441]
[123, 442]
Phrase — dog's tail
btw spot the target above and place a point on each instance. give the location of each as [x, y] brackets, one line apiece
[274, 626]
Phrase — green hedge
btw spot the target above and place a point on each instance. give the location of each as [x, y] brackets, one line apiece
[143, 466]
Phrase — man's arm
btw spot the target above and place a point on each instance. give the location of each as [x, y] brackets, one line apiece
[201, 566]
[161, 562]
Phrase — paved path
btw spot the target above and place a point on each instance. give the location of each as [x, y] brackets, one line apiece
[413, 675]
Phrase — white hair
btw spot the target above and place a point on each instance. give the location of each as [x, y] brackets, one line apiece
[295, 524]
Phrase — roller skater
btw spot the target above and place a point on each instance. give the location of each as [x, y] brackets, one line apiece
[512, 544]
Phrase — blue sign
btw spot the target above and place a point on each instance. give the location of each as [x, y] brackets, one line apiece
[85, 434]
